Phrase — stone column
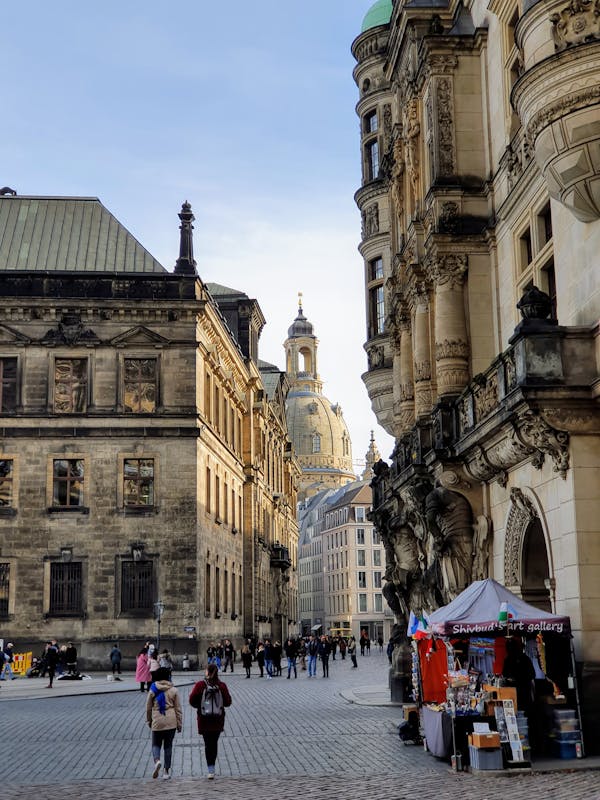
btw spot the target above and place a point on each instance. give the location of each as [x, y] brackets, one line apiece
[422, 352]
[451, 347]
[404, 387]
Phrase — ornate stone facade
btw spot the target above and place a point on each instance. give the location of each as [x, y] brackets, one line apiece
[488, 188]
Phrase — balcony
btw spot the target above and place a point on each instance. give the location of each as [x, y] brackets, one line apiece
[280, 557]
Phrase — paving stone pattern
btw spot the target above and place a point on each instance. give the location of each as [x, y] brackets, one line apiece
[282, 738]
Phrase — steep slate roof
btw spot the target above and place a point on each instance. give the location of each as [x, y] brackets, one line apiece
[75, 234]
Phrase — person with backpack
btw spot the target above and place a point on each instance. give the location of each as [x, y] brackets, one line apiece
[312, 650]
[210, 697]
[164, 716]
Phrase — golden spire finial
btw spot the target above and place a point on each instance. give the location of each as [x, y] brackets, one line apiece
[300, 301]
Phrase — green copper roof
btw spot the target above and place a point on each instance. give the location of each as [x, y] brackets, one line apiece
[380, 13]
[67, 234]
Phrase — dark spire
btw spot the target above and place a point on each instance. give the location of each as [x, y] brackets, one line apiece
[185, 264]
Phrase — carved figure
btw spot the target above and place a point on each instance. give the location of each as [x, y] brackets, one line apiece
[449, 520]
[398, 171]
[413, 130]
[481, 548]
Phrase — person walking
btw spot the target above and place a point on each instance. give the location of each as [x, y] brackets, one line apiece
[380, 643]
[260, 658]
[229, 655]
[291, 653]
[302, 654]
[390, 650]
[277, 652]
[115, 659]
[153, 660]
[324, 653]
[210, 697]
[166, 662]
[51, 662]
[312, 651]
[247, 659]
[142, 670]
[164, 716]
[71, 658]
[269, 659]
[352, 652]
[7, 660]
[343, 648]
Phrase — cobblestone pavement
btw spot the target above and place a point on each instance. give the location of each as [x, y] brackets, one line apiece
[282, 737]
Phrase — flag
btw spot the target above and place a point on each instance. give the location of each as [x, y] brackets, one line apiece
[422, 631]
[413, 622]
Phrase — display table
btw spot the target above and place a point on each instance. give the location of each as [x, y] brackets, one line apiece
[437, 729]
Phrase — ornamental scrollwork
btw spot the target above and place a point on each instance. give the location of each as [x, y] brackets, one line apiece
[535, 432]
[576, 23]
[450, 268]
[522, 512]
[451, 348]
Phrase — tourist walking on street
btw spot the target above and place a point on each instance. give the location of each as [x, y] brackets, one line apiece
[71, 658]
[210, 697]
[51, 662]
[380, 643]
[291, 653]
[260, 658]
[142, 670]
[115, 659]
[164, 716]
[247, 659]
[324, 652]
[343, 648]
[302, 654]
[312, 650]
[269, 658]
[390, 650]
[352, 651]
[6, 659]
[229, 654]
[277, 651]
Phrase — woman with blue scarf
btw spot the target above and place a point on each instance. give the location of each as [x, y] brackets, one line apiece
[164, 716]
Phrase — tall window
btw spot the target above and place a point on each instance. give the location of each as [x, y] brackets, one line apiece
[376, 269]
[360, 536]
[316, 443]
[70, 385]
[8, 385]
[362, 602]
[67, 488]
[370, 123]
[376, 311]
[225, 591]
[140, 385]
[137, 586]
[4, 588]
[207, 588]
[217, 497]
[232, 592]
[377, 580]
[359, 512]
[207, 396]
[65, 588]
[534, 251]
[372, 159]
[6, 482]
[207, 490]
[138, 482]
[360, 558]
[217, 591]
[376, 537]
[378, 602]
[362, 580]
[376, 558]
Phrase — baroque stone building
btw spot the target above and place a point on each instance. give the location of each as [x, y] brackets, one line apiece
[145, 466]
[480, 203]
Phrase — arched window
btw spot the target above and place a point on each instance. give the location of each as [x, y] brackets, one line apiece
[316, 443]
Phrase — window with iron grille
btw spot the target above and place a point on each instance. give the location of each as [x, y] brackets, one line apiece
[137, 587]
[138, 482]
[8, 385]
[65, 588]
[4, 588]
[67, 488]
[6, 482]
[70, 385]
[139, 396]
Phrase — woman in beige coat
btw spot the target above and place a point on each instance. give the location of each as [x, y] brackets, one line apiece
[164, 716]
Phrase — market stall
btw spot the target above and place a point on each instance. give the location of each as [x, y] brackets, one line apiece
[497, 676]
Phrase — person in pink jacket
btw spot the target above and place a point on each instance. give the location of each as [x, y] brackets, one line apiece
[142, 670]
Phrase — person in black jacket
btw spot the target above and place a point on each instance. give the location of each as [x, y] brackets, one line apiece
[325, 652]
[51, 662]
[291, 653]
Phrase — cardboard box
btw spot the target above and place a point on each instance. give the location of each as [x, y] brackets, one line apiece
[484, 740]
[502, 693]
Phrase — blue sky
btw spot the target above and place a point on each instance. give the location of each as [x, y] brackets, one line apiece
[244, 109]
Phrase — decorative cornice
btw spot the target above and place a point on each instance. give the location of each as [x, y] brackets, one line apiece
[451, 348]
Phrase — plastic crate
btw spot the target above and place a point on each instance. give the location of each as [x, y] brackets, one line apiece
[565, 749]
[568, 736]
[485, 759]
[564, 713]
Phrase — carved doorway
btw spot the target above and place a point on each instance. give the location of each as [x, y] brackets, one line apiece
[535, 568]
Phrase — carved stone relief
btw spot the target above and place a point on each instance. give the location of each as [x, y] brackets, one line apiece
[536, 433]
[451, 349]
[445, 137]
[576, 23]
[521, 513]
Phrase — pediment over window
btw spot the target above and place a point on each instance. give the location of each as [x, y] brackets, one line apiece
[140, 335]
[10, 336]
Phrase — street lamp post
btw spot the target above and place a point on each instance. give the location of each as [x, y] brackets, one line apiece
[159, 609]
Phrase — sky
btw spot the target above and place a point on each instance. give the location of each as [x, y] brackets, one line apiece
[246, 110]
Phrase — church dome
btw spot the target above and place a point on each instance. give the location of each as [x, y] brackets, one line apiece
[319, 433]
[380, 13]
[300, 326]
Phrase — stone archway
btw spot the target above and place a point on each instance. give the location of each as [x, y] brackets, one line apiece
[535, 568]
[527, 569]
